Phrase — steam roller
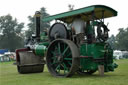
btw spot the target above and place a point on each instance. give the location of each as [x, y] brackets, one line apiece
[75, 43]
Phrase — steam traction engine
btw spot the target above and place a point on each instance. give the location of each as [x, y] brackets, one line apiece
[76, 42]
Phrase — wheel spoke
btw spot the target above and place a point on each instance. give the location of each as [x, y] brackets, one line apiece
[67, 58]
[68, 54]
[54, 63]
[53, 53]
[54, 60]
[58, 67]
[69, 63]
[59, 48]
[65, 68]
[65, 50]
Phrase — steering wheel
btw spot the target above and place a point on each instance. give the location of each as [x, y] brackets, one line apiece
[102, 31]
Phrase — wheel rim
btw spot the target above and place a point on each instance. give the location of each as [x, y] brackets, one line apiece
[60, 59]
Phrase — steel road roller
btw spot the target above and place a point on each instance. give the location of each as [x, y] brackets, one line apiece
[75, 43]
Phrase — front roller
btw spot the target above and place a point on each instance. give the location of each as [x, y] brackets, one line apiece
[62, 58]
[28, 62]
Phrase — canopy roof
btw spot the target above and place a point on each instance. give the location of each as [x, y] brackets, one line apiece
[99, 11]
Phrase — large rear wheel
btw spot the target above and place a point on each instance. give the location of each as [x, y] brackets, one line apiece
[62, 58]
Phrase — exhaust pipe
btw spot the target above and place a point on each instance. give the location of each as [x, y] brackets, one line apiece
[37, 25]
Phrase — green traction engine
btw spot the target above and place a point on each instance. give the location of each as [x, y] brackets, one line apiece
[75, 43]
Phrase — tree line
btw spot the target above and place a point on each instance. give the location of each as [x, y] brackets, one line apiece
[11, 31]
[120, 41]
[12, 36]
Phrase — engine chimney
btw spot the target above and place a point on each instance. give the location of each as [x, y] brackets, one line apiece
[37, 24]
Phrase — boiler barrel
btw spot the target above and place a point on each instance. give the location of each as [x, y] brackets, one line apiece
[40, 50]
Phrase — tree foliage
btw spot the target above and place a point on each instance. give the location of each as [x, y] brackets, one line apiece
[10, 33]
[112, 41]
[122, 39]
[31, 25]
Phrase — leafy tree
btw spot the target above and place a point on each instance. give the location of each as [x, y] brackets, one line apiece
[112, 41]
[10, 33]
[122, 39]
[31, 25]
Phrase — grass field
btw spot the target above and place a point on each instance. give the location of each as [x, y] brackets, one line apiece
[10, 76]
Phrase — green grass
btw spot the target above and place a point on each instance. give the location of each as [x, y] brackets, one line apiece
[10, 76]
